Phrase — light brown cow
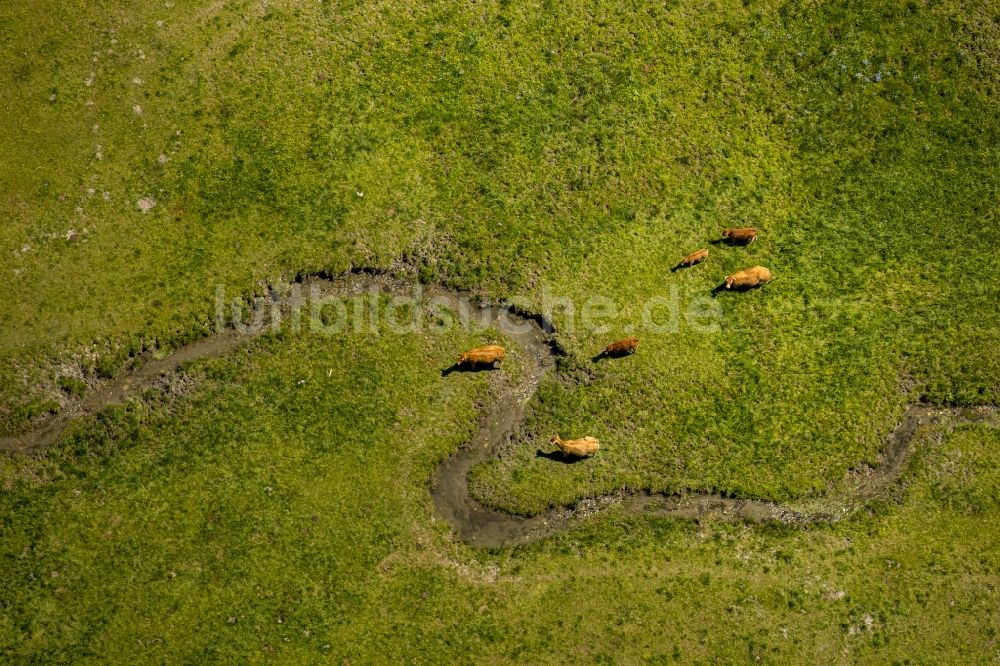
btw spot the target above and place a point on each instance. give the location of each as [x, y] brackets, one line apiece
[740, 235]
[695, 257]
[748, 278]
[485, 355]
[580, 448]
[621, 347]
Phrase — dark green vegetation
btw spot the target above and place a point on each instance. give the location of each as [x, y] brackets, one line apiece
[517, 150]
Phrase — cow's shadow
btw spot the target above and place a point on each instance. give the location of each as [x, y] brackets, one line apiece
[464, 367]
[605, 356]
[731, 242]
[558, 456]
[722, 287]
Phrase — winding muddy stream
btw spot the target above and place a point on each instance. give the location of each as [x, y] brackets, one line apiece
[479, 525]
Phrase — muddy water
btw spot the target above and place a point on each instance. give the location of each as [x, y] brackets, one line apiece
[484, 527]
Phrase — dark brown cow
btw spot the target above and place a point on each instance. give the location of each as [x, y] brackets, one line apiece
[740, 235]
[621, 347]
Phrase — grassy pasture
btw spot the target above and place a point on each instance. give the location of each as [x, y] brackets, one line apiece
[528, 152]
[280, 512]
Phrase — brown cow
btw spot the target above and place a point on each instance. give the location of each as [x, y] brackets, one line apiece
[621, 347]
[579, 448]
[740, 235]
[695, 257]
[486, 355]
[748, 278]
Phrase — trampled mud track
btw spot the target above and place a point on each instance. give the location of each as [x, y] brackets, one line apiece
[480, 525]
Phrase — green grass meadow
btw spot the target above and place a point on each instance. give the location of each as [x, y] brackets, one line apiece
[282, 514]
[273, 505]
